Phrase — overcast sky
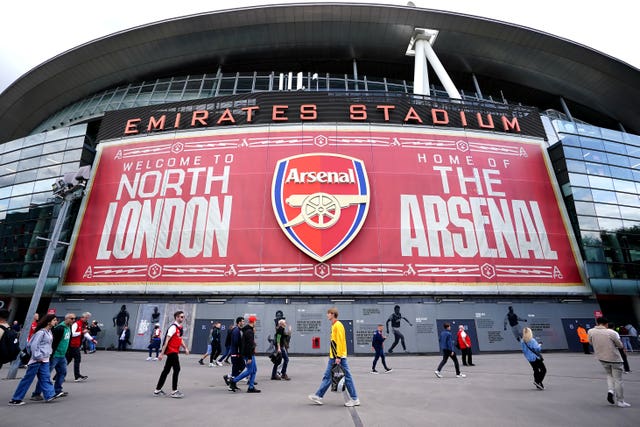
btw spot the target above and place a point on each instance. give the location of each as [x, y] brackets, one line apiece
[33, 32]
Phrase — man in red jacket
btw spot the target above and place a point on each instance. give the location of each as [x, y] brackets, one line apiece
[79, 330]
[171, 347]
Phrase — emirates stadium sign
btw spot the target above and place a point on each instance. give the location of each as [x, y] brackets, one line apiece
[344, 209]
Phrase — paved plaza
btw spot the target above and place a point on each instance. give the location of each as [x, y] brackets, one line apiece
[498, 391]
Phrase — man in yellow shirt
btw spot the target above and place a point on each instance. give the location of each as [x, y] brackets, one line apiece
[337, 355]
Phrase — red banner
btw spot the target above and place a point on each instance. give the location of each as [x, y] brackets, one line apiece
[293, 208]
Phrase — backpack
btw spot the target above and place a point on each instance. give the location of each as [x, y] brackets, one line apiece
[9, 345]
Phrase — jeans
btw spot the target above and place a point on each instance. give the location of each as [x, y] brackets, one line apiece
[172, 362]
[226, 354]
[539, 370]
[614, 378]
[155, 345]
[348, 379]
[285, 363]
[92, 345]
[379, 355]
[42, 371]
[59, 364]
[250, 371]
[446, 354]
[73, 353]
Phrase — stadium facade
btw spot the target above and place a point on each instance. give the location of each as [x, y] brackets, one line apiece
[409, 166]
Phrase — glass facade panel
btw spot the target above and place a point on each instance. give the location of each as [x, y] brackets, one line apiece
[600, 182]
[588, 222]
[582, 194]
[584, 208]
[603, 196]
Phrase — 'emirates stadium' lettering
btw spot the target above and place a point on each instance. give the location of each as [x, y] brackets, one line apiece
[382, 113]
[166, 212]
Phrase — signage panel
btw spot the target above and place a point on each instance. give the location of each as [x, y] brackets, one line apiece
[351, 209]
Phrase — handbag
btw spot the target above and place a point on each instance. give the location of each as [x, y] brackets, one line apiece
[276, 358]
[337, 378]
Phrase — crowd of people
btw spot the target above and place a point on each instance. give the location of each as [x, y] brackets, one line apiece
[54, 344]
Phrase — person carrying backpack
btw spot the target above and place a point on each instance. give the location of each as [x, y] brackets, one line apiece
[9, 340]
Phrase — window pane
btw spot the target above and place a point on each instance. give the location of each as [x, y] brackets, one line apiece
[602, 196]
[585, 208]
[600, 182]
[610, 211]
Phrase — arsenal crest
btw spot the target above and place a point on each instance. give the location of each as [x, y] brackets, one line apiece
[320, 201]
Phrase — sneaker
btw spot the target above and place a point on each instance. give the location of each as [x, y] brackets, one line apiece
[438, 374]
[253, 390]
[461, 376]
[386, 371]
[315, 399]
[373, 371]
[155, 358]
[390, 352]
[610, 397]
[285, 377]
[14, 402]
[275, 378]
[36, 398]
[352, 402]
[81, 378]
[200, 362]
[472, 364]
[226, 379]
[539, 386]
[54, 397]
[211, 365]
[159, 393]
[218, 363]
[233, 386]
[149, 358]
[622, 404]
[177, 394]
[63, 394]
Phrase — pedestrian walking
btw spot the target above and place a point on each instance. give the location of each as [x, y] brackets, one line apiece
[377, 342]
[584, 338]
[281, 343]
[171, 348]
[58, 362]
[337, 356]
[213, 349]
[155, 341]
[532, 351]
[94, 330]
[237, 361]
[248, 350]
[227, 346]
[464, 344]
[446, 348]
[124, 338]
[606, 343]
[79, 330]
[38, 365]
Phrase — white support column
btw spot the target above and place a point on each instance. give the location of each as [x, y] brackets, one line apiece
[420, 69]
[420, 47]
[441, 72]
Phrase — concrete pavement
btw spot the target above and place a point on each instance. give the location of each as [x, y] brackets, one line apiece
[498, 391]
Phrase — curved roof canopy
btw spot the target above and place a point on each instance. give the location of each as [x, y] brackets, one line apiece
[324, 32]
